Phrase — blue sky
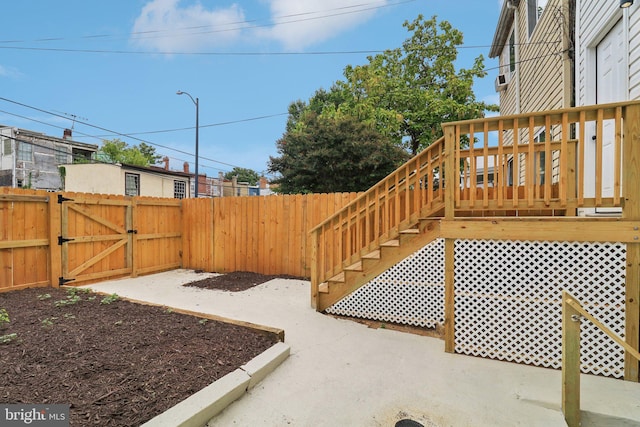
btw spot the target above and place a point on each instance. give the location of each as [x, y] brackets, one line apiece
[245, 61]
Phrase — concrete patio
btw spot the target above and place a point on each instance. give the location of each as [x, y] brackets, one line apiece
[342, 373]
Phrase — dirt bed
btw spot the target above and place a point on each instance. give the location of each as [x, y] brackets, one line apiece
[115, 362]
[236, 281]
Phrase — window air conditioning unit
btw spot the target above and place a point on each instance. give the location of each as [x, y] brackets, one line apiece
[501, 82]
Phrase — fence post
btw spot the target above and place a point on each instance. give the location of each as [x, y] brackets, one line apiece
[55, 250]
[570, 363]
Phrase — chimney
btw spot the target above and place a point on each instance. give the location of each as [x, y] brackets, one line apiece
[263, 183]
[66, 134]
[186, 167]
[165, 159]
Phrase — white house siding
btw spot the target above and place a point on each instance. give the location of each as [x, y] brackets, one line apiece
[94, 178]
[541, 60]
[110, 179]
[594, 20]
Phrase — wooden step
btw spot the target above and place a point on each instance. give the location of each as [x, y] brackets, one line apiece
[375, 255]
[354, 267]
[410, 231]
[323, 288]
[390, 244]
[337, 278]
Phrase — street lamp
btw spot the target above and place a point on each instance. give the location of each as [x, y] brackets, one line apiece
[197, 104]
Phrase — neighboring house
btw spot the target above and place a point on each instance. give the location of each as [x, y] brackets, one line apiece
[231, 187]
[31, 159]
[207, 187]
[124, 179]
[479, 172]
[533, 43]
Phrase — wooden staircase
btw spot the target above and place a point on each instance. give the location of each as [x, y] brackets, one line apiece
[376, 262]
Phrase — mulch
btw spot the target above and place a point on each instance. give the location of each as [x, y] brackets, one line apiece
[117, 363]
[237, 281]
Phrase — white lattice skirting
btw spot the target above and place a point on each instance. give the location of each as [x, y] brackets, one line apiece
[507, 298]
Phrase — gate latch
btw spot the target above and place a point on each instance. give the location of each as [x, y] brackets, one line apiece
[132, 231]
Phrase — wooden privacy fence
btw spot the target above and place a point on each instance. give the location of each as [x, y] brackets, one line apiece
[49, 239]
[267, 235]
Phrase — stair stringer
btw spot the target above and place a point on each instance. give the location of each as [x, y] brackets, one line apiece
[390, 254]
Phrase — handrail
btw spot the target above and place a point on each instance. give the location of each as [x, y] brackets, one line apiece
[572, 313]
[374, 188]
[379, 214]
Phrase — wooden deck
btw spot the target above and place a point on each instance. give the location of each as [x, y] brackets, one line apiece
[510, 183]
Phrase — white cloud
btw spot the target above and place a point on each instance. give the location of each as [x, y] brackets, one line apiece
[315, 20]
[10, 72]
[165, 26]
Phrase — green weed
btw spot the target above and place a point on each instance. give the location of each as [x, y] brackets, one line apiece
[109, 299]
[5, 339]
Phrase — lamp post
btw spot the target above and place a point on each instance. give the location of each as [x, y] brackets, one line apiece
[197, 104]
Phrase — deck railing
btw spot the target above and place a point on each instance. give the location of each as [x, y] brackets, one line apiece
[567, 158]
[522, 164]
[572, 314]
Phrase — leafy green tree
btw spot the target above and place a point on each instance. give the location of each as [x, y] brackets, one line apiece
[408, 92]
[149, 152]
[118, 151]
[322, 154]
[243, 175]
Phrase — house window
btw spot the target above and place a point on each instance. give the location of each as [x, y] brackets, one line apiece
[6, 146]
[62, 154]
[534, 11]
[510, 172]
[179, 189]
[131, 184]
[539, 162]
[25, 152]
[512, 52]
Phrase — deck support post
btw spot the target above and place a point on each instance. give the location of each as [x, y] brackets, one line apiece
[314, 270]
[451, 187]
[631, 211]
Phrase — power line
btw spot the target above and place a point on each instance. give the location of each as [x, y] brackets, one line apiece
[201, 126]
[529, 59]
[143, 52]
[361, 8]
[115, 132]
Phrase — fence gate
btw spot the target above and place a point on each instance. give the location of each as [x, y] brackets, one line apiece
[97, 238]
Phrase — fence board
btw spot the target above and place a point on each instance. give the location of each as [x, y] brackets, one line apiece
[24, 259]
[267, 235]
